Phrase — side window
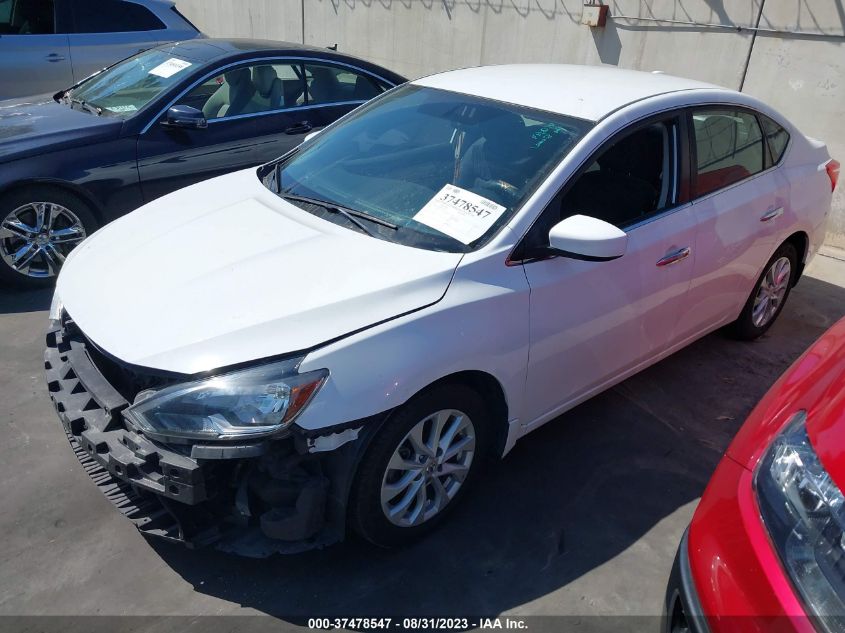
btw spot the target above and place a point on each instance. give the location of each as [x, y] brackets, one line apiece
[776, 136]
[728, 146]
[113, 16]
[26, 17]
[334, 84]
[251, 89]
[630, 180]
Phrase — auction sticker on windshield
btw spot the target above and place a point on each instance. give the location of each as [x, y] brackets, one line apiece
[460, 214]
[170, 67]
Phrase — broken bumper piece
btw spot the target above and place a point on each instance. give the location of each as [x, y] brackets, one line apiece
[283, 495]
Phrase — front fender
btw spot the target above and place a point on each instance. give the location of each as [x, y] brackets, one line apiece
[481, 324]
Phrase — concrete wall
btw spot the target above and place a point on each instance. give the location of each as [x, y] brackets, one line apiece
[802, 74]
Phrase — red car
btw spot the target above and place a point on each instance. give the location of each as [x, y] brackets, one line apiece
[765, 550]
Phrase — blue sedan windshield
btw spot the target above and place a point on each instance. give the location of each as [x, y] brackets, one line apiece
[446, 170]
[127, 87]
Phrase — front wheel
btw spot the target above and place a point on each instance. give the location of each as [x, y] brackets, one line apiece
[419, 465]
[769, 295]
[38, 229]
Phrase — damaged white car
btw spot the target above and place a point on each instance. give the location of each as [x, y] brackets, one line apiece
[338, 340]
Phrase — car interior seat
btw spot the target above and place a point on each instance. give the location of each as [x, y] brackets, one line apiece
[365, 89]
[233, 97]
[293, 92]
[268, 88]
[495, 152]
[324, 86]
[719, 150]
[627, 183]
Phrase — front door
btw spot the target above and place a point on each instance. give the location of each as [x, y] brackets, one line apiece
[170, 158]
[593, 323]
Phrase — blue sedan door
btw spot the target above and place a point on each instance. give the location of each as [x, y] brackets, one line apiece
[170, 158]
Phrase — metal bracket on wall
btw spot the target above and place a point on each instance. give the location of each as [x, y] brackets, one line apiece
[594, 14]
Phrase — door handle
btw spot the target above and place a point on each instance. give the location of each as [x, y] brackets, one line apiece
[299, 128]
[674, 256]
[771, 214]
[55, 57]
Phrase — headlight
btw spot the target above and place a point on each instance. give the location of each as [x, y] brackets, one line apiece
[238, 405]
[803, 511]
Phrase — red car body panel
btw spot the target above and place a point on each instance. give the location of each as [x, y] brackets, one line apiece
[739, 580]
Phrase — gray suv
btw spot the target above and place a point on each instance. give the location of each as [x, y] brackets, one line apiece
[49, 45]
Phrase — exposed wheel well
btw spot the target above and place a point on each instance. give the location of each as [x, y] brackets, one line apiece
[801, 241]
[58, 185]
[494, 397]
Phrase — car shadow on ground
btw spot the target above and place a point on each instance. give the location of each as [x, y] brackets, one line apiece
[13, 300]
[569, 498]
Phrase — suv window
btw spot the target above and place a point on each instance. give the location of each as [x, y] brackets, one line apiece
[249, 89]
[333, 84]
[112, 16]
[26, 17]
[629, 180]
[728, 147]
[776, 136]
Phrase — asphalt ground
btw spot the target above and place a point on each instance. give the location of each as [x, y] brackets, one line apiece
[582, 518]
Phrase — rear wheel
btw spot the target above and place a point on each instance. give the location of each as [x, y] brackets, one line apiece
[769, 294]
[420, 465]
[38, 229]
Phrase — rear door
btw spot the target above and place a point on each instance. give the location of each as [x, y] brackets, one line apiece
[314, 94]
[105, 31]
[739, 202]
[594, 322]
[34, 53]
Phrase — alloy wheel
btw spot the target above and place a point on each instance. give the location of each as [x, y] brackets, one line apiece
[36, 237]
[428, 468]
[771, 292]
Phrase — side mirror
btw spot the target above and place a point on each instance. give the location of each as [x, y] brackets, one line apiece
[583, 237]
[308, 137]
[186, 117]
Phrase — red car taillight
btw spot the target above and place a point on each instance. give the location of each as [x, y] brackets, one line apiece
[832, 168]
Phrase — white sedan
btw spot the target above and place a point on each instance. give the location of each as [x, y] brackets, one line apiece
[341, 338]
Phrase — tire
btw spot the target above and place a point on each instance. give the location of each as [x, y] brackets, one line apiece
[367, 510]
[749, 325]
[38, 248]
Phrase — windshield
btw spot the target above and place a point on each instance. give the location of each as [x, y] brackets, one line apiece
[128, 86]
[446, 170]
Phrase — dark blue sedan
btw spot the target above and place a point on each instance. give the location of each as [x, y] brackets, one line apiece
[153, 123]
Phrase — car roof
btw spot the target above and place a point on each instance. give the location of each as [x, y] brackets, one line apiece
[205, 50]
[586, 92]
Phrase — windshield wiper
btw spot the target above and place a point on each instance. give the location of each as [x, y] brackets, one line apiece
[87, 106]
[349, 214]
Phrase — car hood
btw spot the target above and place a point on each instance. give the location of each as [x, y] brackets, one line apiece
[225, 272]
[36, 124]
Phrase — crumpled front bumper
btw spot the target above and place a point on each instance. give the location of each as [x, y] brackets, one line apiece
[254, 499]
